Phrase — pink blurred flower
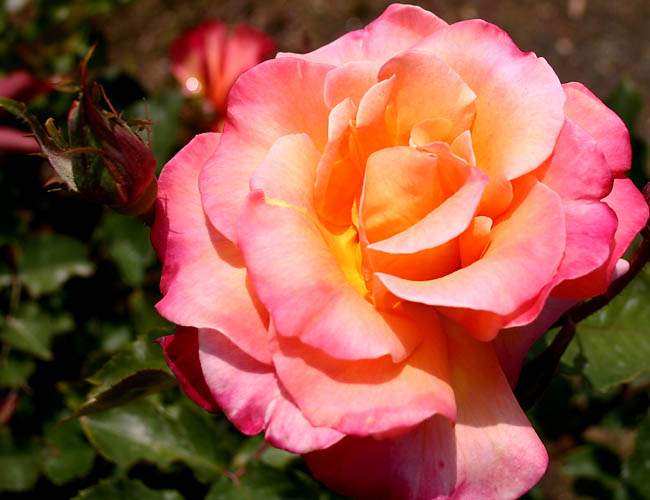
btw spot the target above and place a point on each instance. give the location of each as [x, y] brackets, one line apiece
[20, 86]
[359, 262]
[207, 59]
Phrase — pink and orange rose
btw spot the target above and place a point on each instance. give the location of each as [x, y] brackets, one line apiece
[358, 264]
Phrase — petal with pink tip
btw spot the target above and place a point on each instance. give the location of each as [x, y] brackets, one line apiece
[273, 99]
[525, 249]
[419, 74]
[350, 81]
[303, 286]
[203, 278]
[440, 461]
[397, 29]
[368, 396]
[586, 110]
[519, 104]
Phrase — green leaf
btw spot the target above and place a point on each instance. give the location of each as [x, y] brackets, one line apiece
[126, 241]
[141, 354]
[20, 466]
[49, 260]
[637, 469]
[613, 345]
[135, 386]
[125, 489]
[144, 316]
[70, 456]
[259, 481]
[31, 329]
[143, 430]
[14, 373]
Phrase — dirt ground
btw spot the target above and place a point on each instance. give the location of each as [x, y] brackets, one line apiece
[596, 42]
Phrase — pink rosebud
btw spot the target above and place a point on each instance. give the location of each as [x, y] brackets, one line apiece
[207, 59]
[378, 215]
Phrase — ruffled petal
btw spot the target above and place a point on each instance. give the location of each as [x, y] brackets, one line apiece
[203, 278]
[492, 452]
[519, 101]
[368, 396]
[302, 284]
[586, 110]
[397, 29]
[273, 99]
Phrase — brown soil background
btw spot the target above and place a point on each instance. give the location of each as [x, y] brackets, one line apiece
[596, 42]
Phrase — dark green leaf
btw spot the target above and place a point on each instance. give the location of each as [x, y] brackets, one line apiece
[70, 456]
[135, 386]
[142, 354]
[126, 240]
[144, 316]
[626, 101]
[31, 329]
[143, 430]
[125, 489]
[49, 260]
[15, 372]
[613, 345]
[20, 466]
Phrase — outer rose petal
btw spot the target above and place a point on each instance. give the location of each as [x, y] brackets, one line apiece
[203, 279]
[519, 98]
[289, 430]
[512, 344]
[302, 285]
[273, 99]
[369, 396]
[397, 29]
[585, 109]
[182, 355]
[491, 453]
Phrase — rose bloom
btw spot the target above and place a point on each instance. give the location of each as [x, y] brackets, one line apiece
[359, 263]
[207, 59]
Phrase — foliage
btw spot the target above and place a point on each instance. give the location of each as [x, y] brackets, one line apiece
[88, 408]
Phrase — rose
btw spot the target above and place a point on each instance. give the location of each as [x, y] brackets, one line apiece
[207, 59]
[371, 245]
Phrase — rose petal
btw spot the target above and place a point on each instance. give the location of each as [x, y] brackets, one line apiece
[420, 74]
[586, 110]
[577, 169]
[525, 249]
[350, 81]
[203, 278]
[368, 396]
[242, 386]
[181, 352]
[273, 99]
[519, 98]
[288, 429]
[397, 29]
[437, 460]
[306, 291]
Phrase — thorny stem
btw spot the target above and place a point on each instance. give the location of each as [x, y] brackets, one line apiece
[536, 376]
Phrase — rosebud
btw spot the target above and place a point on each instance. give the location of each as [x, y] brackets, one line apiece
[103, 159]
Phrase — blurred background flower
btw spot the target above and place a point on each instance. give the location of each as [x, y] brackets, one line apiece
[207, 59]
